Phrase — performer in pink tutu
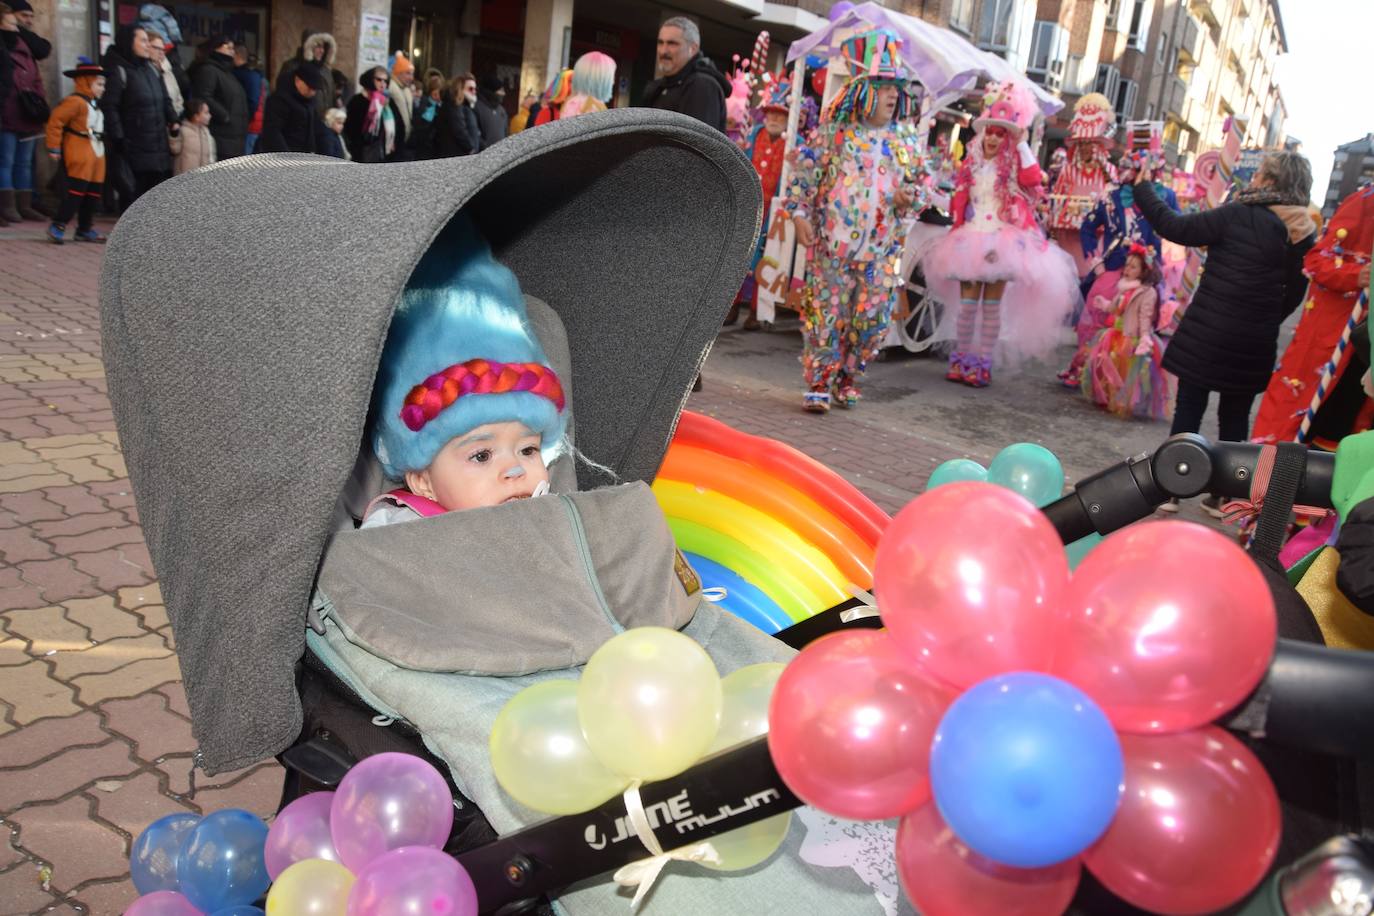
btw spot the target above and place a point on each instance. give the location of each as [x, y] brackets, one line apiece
[996, 264]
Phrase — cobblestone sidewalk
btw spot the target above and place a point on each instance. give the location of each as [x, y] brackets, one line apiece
[95, 740]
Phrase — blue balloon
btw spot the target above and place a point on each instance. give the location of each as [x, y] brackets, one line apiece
[222, 861]
[815, 61]
[742, 598]
[1029, 469]
[1079, 548]
[956, 470]
[1026, 769]
[153, 858]
[239, 911]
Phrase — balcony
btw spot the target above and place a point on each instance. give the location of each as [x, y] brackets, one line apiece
[1190, 42]
[1213, 12]
[1175, 95]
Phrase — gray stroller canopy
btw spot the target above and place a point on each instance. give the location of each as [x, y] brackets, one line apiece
[244, 309]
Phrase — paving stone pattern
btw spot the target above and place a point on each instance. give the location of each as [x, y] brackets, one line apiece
[95, 735]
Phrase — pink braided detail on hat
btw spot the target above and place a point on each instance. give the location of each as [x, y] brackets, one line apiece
[477, 376]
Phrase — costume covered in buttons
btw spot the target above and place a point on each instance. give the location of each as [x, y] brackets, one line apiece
[844, 182]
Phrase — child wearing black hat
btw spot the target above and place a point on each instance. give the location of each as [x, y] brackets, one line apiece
[76, 137]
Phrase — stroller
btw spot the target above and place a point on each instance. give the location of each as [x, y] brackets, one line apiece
[241, 404]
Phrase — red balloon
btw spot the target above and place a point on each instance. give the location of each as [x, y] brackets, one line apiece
[1168, 625]
[818, 80]
[1198, 826]
[969, 579]
[850, 726]
[942, 877]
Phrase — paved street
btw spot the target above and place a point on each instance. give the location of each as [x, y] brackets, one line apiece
[95, 739]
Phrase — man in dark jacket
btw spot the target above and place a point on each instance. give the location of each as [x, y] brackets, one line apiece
[687, 82]
[289, 122]
[1253, 280]
[39, 47]
[492, 119]
[213, 80]
[320, 48]
[138, 116]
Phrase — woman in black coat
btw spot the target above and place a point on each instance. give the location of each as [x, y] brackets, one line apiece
[1228, 338]
[138, 113]
[457, 131]
[213, 80]
[374, 130]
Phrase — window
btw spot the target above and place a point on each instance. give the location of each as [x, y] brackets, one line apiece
[996, 26]
[1048, 55]
[1139, 34]
[961, 16]
[1113, 11]
[1125, 99]
[1150, 112]
[1108, 81]
[1163, 51]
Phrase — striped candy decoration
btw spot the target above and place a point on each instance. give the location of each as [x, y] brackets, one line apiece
[1329, 370]
[758, 63]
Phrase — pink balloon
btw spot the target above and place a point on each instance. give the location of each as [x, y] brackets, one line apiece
[1198, 826]
[969, 578]
[413, 881]
[300, 831]
[388, 801]
[1168, 625]
[851, 721]
[942, 877]
[162, 903]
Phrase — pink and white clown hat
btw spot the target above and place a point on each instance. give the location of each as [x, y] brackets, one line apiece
[1094, 121]
[1008, 105]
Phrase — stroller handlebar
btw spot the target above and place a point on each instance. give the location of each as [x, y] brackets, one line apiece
[1185, 466]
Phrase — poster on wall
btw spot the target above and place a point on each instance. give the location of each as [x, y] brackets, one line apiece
[373, 36]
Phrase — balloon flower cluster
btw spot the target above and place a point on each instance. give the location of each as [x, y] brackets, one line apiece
[1055, 722]
[649, 704]
[1026, 468]
[373, 847]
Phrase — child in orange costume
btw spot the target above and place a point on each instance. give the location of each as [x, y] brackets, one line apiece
[76, 136]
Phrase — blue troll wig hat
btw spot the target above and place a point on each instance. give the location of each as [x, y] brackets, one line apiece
[460, 353]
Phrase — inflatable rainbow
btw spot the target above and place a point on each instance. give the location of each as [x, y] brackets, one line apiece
[781, 533]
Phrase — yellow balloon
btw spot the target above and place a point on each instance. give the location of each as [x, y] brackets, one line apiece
[311, 887]
[746, 847]
[744, 710]
[540, 757]
[649, 702]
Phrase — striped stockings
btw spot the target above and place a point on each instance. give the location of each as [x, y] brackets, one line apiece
[987, 328]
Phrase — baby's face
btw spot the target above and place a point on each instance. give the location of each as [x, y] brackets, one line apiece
[487, 466]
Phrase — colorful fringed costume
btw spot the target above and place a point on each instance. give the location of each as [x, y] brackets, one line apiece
[1333, 267]
[1123, 371]
[845, 182]
[996, 241]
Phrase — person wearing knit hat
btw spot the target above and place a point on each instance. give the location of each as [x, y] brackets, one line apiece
[75, 137]
[997, 275]
[493, 121]
[402, 76]
[467, 410]
[858, 176]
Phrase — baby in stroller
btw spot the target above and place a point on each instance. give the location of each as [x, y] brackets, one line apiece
[470, 413]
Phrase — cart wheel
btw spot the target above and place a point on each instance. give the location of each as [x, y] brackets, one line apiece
[916, 328]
